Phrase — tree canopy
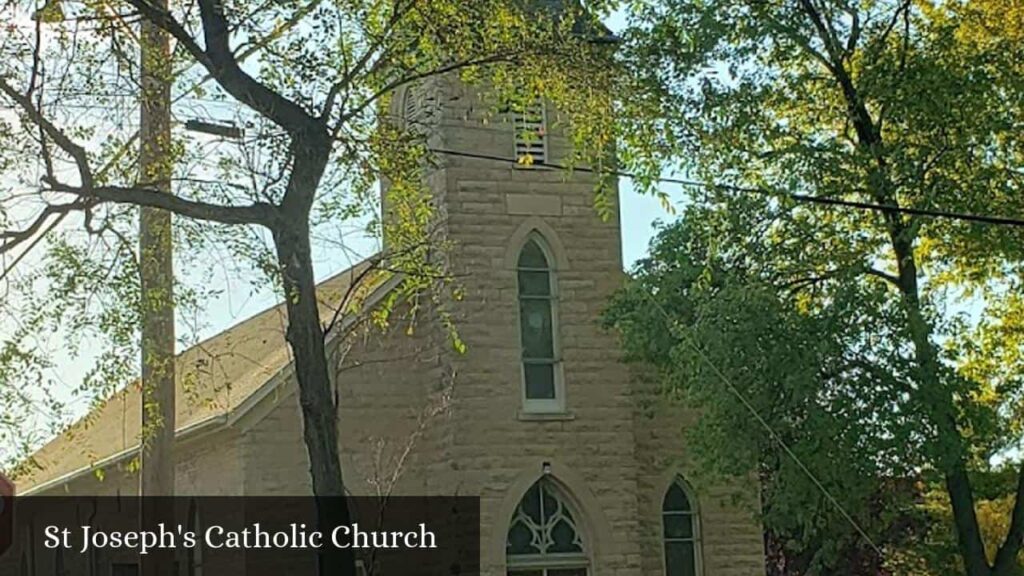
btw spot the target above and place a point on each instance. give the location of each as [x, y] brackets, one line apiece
[880, 345]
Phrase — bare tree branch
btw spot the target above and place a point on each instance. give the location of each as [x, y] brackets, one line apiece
[398, 12]
[256, 213]
[904, 6]
[221, 63]
[883, 275]
[355, 284]
[1006, 556]
[11, 240]
[855, 31]
[76, 152]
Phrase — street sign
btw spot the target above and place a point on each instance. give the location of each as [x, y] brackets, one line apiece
[6, 513]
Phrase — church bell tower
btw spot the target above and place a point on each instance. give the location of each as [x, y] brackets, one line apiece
[539, 392]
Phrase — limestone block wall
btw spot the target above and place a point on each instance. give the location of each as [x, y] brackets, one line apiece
[393, 390]
[391, 415]
[731, 539]
[497, 450]
[275, 461]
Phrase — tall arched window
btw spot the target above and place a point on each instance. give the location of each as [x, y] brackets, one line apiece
[542, 381]
[681, 531]
[544, 538]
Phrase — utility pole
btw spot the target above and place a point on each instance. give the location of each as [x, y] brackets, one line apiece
[156, 270]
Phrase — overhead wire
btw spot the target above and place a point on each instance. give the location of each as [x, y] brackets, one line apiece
[802, 198]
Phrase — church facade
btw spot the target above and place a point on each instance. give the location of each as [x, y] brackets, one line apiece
[580, 468]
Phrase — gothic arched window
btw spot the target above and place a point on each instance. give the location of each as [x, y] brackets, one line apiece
[681, 531]
[544, 538]
[542, 381]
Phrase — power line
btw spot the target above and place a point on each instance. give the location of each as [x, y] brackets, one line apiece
[867, 206]
[673, 330]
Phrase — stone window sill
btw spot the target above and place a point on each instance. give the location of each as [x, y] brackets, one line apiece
[524, 416]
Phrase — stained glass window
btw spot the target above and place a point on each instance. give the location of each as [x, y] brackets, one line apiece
[680, 528]
[544, 538]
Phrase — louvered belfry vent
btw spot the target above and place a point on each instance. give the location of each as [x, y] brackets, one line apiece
[530, 133]
[421, 106]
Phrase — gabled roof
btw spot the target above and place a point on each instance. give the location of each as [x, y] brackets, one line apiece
[215, 379]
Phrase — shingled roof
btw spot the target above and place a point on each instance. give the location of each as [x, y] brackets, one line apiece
[215, 379]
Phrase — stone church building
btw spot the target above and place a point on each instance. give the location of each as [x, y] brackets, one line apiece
[581, 470]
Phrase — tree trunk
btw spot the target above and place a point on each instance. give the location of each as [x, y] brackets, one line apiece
[949, 444]
[156, 270]
[305, 335]
[940, 402]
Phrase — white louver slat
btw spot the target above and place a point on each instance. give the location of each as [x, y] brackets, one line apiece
[530, 134]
